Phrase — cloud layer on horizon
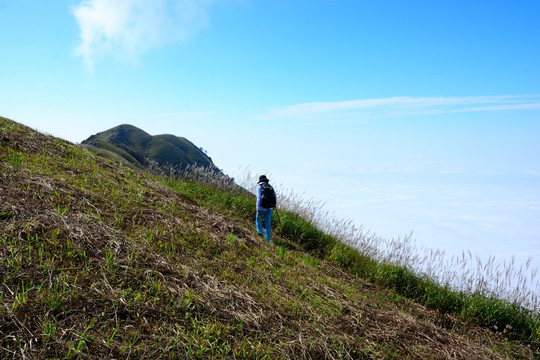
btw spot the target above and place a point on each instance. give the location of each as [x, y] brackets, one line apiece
[126, 29]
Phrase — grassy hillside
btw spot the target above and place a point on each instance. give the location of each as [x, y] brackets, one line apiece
[98, 260]
[140, 148]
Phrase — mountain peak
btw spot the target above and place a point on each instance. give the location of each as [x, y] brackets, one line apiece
[142, 149]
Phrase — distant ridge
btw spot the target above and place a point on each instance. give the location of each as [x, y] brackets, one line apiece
[143, 150]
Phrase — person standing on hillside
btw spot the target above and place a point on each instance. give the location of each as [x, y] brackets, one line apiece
[266, 201]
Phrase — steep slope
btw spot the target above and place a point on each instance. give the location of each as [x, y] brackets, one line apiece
[139, 148]
[100, 261]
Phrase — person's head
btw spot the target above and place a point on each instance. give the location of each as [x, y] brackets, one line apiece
[263, 178]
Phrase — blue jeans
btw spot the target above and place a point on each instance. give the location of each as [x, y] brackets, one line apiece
[267, 215]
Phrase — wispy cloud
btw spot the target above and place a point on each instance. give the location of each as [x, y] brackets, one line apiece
[404, 106]
[125, 29]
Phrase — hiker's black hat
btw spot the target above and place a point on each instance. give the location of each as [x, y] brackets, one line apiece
[263, 178]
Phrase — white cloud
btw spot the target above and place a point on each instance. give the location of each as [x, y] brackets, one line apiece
[405, 106]
[125, 29]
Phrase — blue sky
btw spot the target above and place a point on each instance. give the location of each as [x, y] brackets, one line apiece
[404, 116]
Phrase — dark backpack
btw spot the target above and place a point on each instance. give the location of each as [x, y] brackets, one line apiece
[268, 196]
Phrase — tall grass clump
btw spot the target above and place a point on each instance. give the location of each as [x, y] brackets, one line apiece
[198, 174]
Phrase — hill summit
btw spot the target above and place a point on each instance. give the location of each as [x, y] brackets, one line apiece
[143, 150]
